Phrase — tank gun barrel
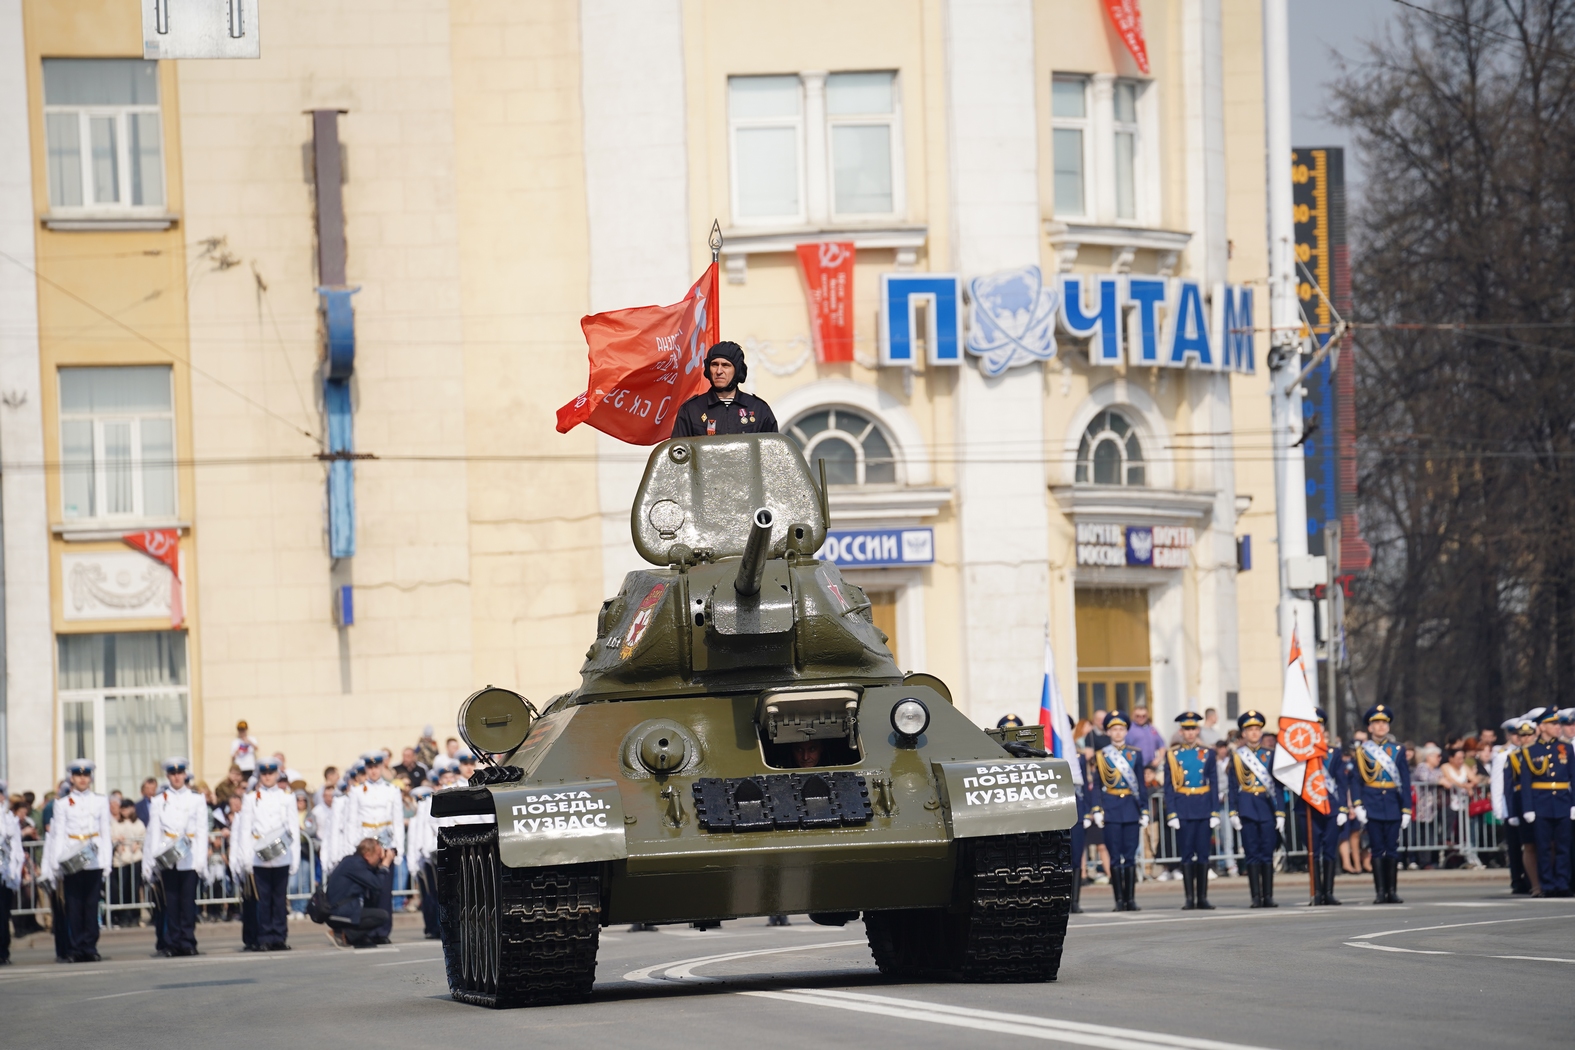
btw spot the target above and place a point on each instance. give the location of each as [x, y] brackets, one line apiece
[752, 566]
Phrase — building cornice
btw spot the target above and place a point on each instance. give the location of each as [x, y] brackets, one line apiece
[1135, 505]
[868, 507]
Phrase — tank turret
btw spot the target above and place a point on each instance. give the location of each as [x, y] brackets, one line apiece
[735, 523]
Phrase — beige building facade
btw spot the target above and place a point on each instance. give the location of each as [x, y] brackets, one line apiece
[509, 168]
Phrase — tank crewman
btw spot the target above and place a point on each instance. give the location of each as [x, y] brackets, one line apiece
[11, 858]
[268, 817]
[77, 852]
[1545, 802]
[1120, 807]
[1383, 800]
[377, 811]
[1191, 786]
[1323, 841]
[422, 843]
[177, 820]
[724, 409]
[1257, 806]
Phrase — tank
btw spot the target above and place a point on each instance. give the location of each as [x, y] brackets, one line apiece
[742, 743]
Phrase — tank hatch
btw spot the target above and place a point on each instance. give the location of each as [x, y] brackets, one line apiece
[701, 494]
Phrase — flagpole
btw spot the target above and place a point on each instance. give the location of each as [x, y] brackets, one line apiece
[715, 240]
[1312, 883]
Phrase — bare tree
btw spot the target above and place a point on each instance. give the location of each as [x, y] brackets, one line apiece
[1465, 118]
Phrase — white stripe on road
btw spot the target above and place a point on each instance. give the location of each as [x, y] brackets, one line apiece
[1392, 948]
[683, 969]
[117, 995]
[1532, 958]
[1458, 925]
[1075, 1032]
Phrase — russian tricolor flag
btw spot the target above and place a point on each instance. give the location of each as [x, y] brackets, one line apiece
[1053, 716]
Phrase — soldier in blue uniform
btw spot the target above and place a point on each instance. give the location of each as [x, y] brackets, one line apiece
[1120, 807]
[1191, 787]
[1079, 831]
[1383, 800]
[1257, 806]
[1323, 840]
[1546, 804]
[1521, 837]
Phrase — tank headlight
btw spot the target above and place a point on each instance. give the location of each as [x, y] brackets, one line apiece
[910, 717]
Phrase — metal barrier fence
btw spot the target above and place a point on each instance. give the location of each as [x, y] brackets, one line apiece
[125, 892]
[1444, 827]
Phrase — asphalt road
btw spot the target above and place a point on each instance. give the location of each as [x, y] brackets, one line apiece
[1459, 964]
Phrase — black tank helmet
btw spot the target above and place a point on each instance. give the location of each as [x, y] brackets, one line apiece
[732, 352]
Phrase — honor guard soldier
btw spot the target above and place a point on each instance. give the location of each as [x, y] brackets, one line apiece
[1257, 806]
[422, 843]
[376, 811]
[1519, 885]
[11, 857]
[1191, 788]
[724, 409]
[174, 851]
[77, 852]
[1546, 804]
[268, 839]
[1085, 805]
[1383, 800]
[1322, 830]
[1520, 833]
[1120, 807]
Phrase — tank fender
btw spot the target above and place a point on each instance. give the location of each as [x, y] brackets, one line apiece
[540, 825]
[1007, 796]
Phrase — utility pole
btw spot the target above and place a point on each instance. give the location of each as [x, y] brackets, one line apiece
[1334, 625]
[1290, 475]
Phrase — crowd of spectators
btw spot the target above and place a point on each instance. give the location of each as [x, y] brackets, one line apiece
[1450, 786]
[426, 763]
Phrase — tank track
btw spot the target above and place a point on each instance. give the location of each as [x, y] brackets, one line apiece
[1007, 922]
[514, 936]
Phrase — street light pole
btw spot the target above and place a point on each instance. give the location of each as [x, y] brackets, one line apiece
[1290, 475]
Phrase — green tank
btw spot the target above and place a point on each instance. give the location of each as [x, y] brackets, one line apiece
[743, 744]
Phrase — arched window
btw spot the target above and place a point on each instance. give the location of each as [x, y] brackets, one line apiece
[855, 450]
[1110, 453]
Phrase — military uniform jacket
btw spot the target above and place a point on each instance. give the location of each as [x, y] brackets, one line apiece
[80, 817]
[706, 414]
[174, 816]
[374, 811]
[421, 835]
[1376, 789]
[1544, 778]
[11, 855]
[1192, 786]
[1250, 798]
[264, 813]
[1112, 794]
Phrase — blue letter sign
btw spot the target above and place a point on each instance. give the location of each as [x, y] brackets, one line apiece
[900, 294]
[1103, 326]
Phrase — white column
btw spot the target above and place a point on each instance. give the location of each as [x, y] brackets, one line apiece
[1101, 179]
[24, 530]
[637, 201]
[817, 169]
[1214, 557]
[1003, 515]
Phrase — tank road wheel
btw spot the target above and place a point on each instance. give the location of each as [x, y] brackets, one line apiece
[514, 936]
[1007, 923]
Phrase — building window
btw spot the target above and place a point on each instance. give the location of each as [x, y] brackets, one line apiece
[1125, 104]
[1110, 452]
[766, 115]
[124, 703]
[854, 448]
[815, 148]
[117, 442]
[1070, 133]
[861, 115]
[101, 131]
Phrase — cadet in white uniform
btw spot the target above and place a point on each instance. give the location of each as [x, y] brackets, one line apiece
[376, 811]
[268, 841]
[10, 871]
[77, 852]
[421, 840]
[174, 851]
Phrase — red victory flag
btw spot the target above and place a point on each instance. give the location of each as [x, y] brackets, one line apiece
[163, 545]
[645, 362]
[828, 273]
[1127, 17]
[1301, 744]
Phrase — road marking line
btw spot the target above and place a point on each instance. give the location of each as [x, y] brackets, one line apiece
[685, 967]
[1457, 925]
[1392, 948]
[117, 995]
[408, 962]
[1532, 958]
[1074, 1032]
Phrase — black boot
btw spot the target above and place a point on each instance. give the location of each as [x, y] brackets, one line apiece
[1266, 884]
[1315, 872]
[1077, 892]
[1329, 868]
[1380, 880]
[1189, 882]
[1392, 878]
[1255, 885]
[1200, 881]
[1132, 889]
[1118, 887]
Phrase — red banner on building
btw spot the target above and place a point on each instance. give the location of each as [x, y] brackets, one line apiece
[828, 275]
[163, 545]
[645, 363]
[1127, 17]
